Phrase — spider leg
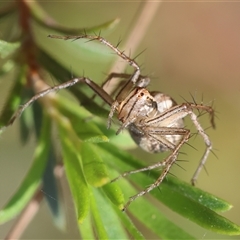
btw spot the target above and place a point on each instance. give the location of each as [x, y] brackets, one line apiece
[121, 54]
[208, 144]
[158, 136]
[187, 109]
[67, 84]
[142, 81]
[109, 78]
[167, 163]
[180, 111]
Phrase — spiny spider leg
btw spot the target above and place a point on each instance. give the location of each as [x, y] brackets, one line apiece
[158, 136]
[180, 111]
[168, 162]
[123, 92]
[124, 76]
[189, 111]
[67, 84]
[207, 143]
[142, 81]
[121, 54]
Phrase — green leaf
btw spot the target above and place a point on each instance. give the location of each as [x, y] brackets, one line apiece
[73, 167]
[29, 118]
[94, 168]
[6, 67]
[204, 198]
[129, 225]
[86, 228]
[33, 178]
[14, 99]
[97, 220]
[7, 49]
[108, 226]
[196, 212]
[123, 140]
[85, 129]
[41, 16]
[52, 192]
[115, 194]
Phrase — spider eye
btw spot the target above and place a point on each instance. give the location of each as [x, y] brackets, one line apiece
[150, 103]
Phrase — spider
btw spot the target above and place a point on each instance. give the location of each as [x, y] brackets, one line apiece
[153, 119]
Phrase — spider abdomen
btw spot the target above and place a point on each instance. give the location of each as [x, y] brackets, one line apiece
[157, 136]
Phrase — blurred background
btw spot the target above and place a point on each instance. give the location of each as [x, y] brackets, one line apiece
[191, 47]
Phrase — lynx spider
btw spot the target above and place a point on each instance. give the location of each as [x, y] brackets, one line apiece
[153, 119]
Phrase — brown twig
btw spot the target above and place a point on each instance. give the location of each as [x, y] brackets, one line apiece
[26, 216]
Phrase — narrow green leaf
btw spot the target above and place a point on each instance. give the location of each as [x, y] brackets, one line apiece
[62, 73]
[27, 119]
[33, 178]
[6, 67]
[204, 198]
[123, 140]
[115, 194]
[94, 168]
[85, 129]
[51, 191]
[7, 49]
[41, 16]
[97, 221]
[14, 99]
[74, 171]
[109, 223]
[129, 225]
[86, 228]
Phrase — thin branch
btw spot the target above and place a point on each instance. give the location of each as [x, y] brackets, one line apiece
[144, 19]
[25, 217]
